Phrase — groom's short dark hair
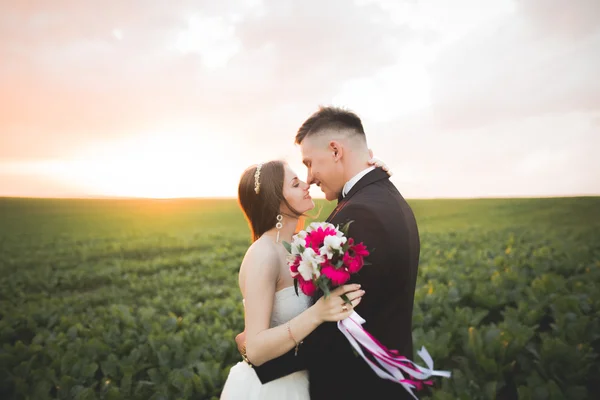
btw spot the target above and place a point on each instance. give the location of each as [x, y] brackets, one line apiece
[330, 118]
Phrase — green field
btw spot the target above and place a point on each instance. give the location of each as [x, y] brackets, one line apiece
[138, 299]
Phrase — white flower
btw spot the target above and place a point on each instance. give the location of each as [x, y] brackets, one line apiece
[297, 242]
[309, 265]
[301, 235]
[326, 252]
[335, 242]
[290, 259]
[316, 225]
[294, 249]
[331, 244]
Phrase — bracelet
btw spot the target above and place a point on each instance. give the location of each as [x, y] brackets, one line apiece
[292, 337]
[244, 356]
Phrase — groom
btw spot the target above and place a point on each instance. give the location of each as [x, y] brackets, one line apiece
[334, 149]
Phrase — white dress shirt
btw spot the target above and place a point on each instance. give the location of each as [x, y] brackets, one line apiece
[355, 179]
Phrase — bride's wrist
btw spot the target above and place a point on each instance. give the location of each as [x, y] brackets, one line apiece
[315, 315]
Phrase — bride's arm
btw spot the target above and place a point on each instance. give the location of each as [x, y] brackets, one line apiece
[261, 270]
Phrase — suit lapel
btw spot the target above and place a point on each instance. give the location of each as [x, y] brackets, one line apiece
[335, 211]
[376, 175]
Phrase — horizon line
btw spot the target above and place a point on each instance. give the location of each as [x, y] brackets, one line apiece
[91, 197]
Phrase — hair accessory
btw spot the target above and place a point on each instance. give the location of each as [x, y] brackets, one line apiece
[257, 178]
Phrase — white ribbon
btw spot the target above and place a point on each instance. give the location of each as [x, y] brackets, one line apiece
[390, 365]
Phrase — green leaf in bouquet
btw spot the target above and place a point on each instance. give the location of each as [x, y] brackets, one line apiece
[344, 229]
[323, 284]
[346, 299]
[296, 286]
[287, 246]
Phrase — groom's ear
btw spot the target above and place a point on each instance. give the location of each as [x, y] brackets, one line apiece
[336, 150]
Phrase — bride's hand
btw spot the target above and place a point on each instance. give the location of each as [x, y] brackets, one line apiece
[333, 308]
[379, 164]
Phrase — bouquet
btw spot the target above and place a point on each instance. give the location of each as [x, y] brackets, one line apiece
[323, 257]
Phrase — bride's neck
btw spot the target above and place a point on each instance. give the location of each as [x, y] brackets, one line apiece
[286, 232]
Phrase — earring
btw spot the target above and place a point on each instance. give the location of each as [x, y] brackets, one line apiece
[279, 225]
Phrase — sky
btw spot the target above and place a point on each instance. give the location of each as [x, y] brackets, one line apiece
[176, 98]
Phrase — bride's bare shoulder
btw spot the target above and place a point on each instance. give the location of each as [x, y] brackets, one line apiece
[261, 255]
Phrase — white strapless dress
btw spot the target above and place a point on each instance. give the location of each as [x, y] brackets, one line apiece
[242, 382]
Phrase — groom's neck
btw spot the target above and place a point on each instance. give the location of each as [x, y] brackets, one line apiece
[353, 167]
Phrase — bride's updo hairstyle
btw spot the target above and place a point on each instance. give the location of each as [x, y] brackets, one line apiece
[260, 195]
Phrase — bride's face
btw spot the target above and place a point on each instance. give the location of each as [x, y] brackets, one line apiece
[295, 191]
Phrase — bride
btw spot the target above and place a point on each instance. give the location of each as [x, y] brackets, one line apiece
[273, 199]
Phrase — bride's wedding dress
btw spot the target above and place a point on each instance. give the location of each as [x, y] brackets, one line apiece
[242, 382]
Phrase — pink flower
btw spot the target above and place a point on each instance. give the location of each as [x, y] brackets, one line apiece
[316, 237]
[354, 264]
[353, 258]
[308, 287]
[337, 276]
[294, 266]
[360, 250]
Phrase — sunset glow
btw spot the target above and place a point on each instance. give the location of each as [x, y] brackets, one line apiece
[150, 100]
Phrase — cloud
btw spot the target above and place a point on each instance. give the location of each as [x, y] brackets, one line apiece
[542, 155]
[81, 72]
[578, 19]
[520, 66]
[213, 38]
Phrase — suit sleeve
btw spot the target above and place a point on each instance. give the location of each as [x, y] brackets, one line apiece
[281, 366]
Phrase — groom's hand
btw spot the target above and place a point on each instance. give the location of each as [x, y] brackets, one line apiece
[240, 340]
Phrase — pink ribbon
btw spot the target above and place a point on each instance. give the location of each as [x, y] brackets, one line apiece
[391, 364]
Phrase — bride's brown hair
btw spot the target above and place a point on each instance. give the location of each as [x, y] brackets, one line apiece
[261, 208]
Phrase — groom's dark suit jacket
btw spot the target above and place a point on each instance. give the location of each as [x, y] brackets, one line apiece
[386, 224]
